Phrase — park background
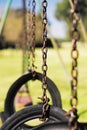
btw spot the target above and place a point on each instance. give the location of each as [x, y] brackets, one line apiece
[59, 24]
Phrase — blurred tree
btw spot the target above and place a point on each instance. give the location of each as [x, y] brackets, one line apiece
[13, 27]
[39, 29]
[62, 12]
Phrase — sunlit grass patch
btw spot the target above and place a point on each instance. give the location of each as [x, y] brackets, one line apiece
[11, 69]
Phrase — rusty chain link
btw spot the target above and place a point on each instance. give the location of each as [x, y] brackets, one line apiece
[29, 32]
[74, 71]
[24, 40]
[31, 35]
[44, 97]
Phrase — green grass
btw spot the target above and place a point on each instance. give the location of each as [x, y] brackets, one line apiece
[11, 69]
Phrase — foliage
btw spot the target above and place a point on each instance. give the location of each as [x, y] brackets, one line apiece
[63, 12]
[13, 27]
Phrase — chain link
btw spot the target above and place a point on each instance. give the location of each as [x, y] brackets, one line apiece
[74, 71]
[29, 33]
[31, 36]
[24, 40]
[44, 97]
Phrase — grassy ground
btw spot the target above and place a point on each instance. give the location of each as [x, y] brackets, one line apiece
[11, 69]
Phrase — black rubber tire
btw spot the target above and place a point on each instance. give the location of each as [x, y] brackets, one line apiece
[53, 126]
[17, 120]
[9, 101]
[59, 126]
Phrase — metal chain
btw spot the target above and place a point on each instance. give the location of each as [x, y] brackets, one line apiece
[44, 97]
[24, 41]
[74, 72]
[31, 36]
[29, 32]
[24, 46]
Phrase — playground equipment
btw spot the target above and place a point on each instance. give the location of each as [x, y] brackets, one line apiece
[3, 20]
[33, 112]
[9, 107]
[53, 117]
[32, 74]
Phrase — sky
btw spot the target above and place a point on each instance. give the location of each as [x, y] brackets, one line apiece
[57, 28]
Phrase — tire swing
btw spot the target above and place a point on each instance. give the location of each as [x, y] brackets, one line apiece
[30, 75]
[16, 120]
[53, 90]
[9, 108]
